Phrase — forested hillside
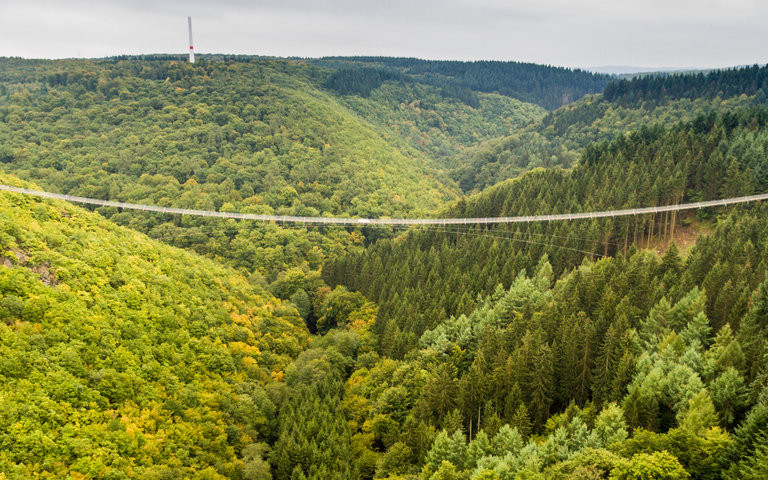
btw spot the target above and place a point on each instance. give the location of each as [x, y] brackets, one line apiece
[544, 85]
[410, 278]
[426, 119]
[121, 357]
[558, 139]
[664, 88]
[253, 136]
[622, 365]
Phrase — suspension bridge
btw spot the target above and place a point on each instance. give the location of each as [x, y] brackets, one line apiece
[289, 219]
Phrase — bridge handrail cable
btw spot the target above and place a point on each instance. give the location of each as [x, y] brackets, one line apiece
[382, 221]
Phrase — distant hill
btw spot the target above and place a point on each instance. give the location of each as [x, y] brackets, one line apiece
[558, 138]
[659, 89]
[426, 119]
[621, 70]
[544, 85]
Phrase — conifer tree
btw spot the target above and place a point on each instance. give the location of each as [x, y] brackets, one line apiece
[610, 426]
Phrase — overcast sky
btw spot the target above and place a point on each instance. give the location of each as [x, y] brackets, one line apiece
[651, 33]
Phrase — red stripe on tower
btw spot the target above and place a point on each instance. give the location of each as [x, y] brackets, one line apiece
[191, 48]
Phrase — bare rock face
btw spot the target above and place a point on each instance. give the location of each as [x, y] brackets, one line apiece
[46, 273]
[21, 256]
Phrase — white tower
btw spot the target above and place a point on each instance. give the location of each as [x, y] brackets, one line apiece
[191, 47]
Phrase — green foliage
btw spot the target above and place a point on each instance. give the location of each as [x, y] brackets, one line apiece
[547, 86]
[755, 467]
[446, 449]
[446, 471]
[313, 436]
[747, 450]
[479, 447]
[610, 426]
[256, 468]
[587, 350]
[702, 455]
[396, 461]
[256, 136]
[123, 357]
[589, 464]
[507, 440]
[729, 394]
[422, 118]
[662, 88]
[412, 280]
[338, 307]
[558, 139]
[359, 81]
[699, 415]
[650, 334]
[655, 466]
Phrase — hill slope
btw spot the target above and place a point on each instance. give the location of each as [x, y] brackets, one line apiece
[544, 85]
[256, 136]
[427, 276]
[435, 123]
[121, 357]
[263, 124]
[557, 140]
[583, 367]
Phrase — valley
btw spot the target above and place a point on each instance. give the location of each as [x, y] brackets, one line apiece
[159, 345]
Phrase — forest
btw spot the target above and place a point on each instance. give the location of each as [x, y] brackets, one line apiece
[663, 88]
[558, 138]
[141, 345]
[544, 85]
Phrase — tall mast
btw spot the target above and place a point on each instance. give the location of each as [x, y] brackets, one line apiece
[191, 47]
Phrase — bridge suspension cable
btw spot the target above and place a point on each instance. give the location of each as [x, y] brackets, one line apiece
[385, 221]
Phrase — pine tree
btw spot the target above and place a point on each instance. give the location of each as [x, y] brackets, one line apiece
[521, 421]
[439, 395]
[450, 448]
[479, 447]
[754, 331]
[508, 440]
[729, 395]
[605, 365]
[699, 415]
[542, 385]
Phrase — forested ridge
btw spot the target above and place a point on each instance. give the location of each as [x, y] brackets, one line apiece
[257, 137]
[663, 88]
[711, 157]
[544, 85]
[623, 348]
[559, 137]
[422, 118]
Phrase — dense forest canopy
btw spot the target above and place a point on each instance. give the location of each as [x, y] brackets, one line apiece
[122, 357]
[547, 86]
[624, 348]
[600, 340]
[559, 137]
[711, 157]
[663, 88]
[258, 137]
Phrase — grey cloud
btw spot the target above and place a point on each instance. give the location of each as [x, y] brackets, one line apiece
[589, 32]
